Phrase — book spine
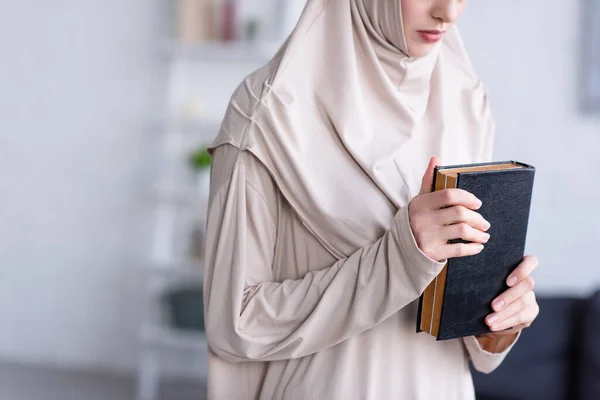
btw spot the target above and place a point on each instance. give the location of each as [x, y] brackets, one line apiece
[426, 301]
[438, 300]
[420, 320]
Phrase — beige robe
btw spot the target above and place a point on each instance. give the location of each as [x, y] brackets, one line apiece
[310, 326]
[312, 271]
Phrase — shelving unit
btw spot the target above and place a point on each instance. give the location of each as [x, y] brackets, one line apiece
[175, 199]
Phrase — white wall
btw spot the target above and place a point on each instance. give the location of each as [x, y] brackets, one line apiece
[82, 85]
[79, 83]
[528, 53]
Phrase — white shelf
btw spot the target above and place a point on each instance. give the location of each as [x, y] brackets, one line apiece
[166, 337]
[240, 51]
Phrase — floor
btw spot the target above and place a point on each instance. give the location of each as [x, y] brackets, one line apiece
[26, 383]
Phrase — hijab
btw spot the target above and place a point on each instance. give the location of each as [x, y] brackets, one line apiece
[345, 120]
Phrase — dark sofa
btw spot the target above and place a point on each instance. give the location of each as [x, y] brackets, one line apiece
[557, 358]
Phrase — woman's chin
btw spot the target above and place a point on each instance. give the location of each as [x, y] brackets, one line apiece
[420, 50]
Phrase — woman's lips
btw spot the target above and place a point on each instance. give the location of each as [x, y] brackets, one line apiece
[431, 36]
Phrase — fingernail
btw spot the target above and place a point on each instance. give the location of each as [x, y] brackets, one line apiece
[481, 247]
[487, 237]
[491, 319]
[479, 203]
[498, 304]
[512, 280]
[488, 225]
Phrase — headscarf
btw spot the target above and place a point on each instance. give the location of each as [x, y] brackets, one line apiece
[345, 120]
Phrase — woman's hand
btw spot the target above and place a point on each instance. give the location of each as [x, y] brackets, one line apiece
[514, 310]
[436, 218]
[517, 307]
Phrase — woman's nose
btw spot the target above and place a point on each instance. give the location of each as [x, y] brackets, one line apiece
[446, 11]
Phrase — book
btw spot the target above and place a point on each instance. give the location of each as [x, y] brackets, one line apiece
[195, 21]
[457, 301]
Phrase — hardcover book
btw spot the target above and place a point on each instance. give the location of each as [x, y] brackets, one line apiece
[457, 301]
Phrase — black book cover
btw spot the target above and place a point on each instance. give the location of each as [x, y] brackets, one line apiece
[473, 282]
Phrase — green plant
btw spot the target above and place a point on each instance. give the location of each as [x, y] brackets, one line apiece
[200, 159]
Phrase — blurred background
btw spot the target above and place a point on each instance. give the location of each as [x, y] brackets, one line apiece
[105, 109]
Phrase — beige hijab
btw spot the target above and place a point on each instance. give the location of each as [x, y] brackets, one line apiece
[345, 120]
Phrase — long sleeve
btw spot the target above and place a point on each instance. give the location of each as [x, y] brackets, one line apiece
[250, 316]
[485, 361]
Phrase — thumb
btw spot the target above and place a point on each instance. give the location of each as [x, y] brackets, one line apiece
[427, 182]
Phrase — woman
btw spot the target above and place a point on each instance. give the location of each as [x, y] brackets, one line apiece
[321, 233]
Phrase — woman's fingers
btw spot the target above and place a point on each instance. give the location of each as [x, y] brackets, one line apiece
[459, 250]
[458, 214]
[513, 294]
[451, 197]
[427, 180]
[511, 322]
[521, 303]
[431, 216]
[522, 318]
[517, 307]
[463, 231]
[523, 271]
[511, 331]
